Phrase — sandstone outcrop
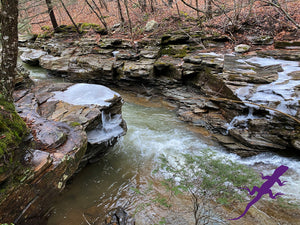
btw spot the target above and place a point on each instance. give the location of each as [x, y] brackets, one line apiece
[211, 90]
[71, 125]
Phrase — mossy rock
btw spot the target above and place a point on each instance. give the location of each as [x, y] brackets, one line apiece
[175, 51]
[45, 35]
[45, 28]
[262, 40]
[66, 29]
[12, 131]
[91, 26]
[174, 39]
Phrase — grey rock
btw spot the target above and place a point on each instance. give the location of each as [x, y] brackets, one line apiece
[32, 56]
[151, 25]
[242, 48]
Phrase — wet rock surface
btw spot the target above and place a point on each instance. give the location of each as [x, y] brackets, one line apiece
[57, 145]
[119, 216]
[210, 90]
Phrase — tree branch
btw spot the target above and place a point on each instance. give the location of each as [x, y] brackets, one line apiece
[286, 14]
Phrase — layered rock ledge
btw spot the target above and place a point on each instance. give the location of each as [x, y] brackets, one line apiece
[71, 125]
[223, 93]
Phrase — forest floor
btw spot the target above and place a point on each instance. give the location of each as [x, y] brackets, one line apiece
[238, 21]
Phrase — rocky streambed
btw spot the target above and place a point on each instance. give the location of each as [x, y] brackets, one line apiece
[249, 102]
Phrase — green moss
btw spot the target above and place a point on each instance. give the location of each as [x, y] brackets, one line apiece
[86, 25]
[95, 27]
[176, 53]
[75, 124]
[46, 34]
[45, 28]
[65, 29]
[12, 131]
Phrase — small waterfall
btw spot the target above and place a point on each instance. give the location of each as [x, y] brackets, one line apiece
[241, 121]
[108, 129]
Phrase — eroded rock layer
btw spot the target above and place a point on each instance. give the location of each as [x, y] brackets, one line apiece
[71, 125]
[250, 103]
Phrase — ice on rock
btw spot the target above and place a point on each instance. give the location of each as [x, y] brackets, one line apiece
[86, 94]
[282, 90]
[109, 128]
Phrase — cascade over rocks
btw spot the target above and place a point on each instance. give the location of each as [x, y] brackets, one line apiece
[71, 125]
[210, 90]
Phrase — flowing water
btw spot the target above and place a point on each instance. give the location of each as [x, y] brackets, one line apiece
[152, 131]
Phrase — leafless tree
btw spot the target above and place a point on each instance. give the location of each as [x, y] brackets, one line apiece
[279, 7]
[120, 11]
[100, 17]
[103, 4]
[129, 20]
[51, 14]
[9, 39]
[69, 15]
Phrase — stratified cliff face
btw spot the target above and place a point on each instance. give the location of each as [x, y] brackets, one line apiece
[249, 102]
[65, 120]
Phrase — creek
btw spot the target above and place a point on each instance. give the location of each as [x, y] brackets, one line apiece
[152, 131]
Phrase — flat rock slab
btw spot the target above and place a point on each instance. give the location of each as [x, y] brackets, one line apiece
[32, 56]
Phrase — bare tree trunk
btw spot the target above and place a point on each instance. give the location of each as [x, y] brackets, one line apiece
[143, 5]
[120, 11]
[51, 14]
[102, 17]
[129, 20]
[178, 12]
[151, 5]
[192, 7]
[76, 27]
[209, 9]
[9, 40]
[197, 6]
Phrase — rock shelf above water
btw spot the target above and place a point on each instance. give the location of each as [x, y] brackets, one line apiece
[208, 89]
[61, 117]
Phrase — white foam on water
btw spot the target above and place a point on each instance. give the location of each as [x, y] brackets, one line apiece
[268, 162]
[152, 132]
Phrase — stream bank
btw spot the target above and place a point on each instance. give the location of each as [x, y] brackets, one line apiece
[225, 93]
[68, 130]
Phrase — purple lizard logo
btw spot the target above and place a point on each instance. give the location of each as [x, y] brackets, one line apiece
[265, 188]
